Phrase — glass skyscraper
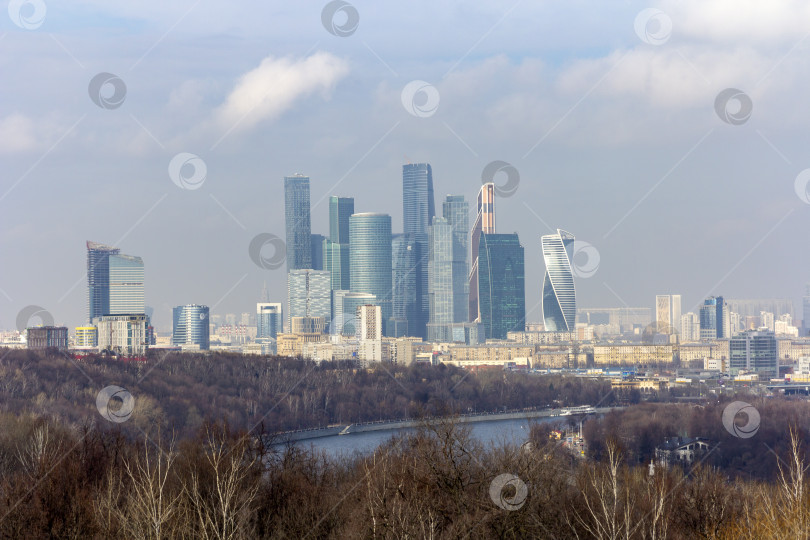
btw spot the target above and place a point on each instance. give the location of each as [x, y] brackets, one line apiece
[457, 213]
[126, 285]
[309, 294]
[501, 285]
[484, 224]
[190, 326]
[418, 211]
[268, 320]
[559, 294]
[440, 272]
[316, 246]
[98, 279]
[370, 258]
[336, 247]
[714, 318]
[406, 304]
[297, 222]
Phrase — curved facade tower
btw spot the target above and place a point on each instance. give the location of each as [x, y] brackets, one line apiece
[559, 295]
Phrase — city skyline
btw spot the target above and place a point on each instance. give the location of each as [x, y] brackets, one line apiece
[614, 137]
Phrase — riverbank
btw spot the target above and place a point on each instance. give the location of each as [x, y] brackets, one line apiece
[303, 435]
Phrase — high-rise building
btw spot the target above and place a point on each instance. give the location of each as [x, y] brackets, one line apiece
[440, 274]
[714, 319]
[308, 294]
[405, 253]
[456, 211]
[344, 311]
[370, 259]
[754, 351]
[336, 247]
[418, 210]
[269, 318]
[484, 224]
[190, 326]
[98, 279]
[501, 285]
[559, 294]
[371, 333]
[690, 327]
[297, 222]
[316, 245]
[668, 313]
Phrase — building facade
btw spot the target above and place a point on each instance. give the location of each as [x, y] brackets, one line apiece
[456, 211]
[126, 285]
[336, 247]
[418, 211]
[269, 320]
[501, 285]
[370, 258]
[297, 220]
[190, 326]
[754, 351]
[317, 249]
[123, 334]
[559, 295]
[344, 311]
[484, 224]
[714, 318]
[47, 337]
[406, 302]
[668, 313]
[86, 337]
[309, 294]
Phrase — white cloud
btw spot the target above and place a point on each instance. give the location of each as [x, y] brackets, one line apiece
[272, 88]
[17, 134]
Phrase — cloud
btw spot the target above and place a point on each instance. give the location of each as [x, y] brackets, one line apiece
[17, 134]
[275, 85]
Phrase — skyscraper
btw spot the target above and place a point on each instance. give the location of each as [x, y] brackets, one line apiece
[336, 247]
[714, 319]
[370, 258]
[484, 224]
[268, 320]
[418, 210]
[457, 213]
[308, 294]
[559, 294]
[440, 274]
[501, 284]
[405, 253]
[114, 282]
[297, 222]
[316, 247]
[190, 326]
[668, 313]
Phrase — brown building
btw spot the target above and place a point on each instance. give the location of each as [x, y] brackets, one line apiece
[44, 337]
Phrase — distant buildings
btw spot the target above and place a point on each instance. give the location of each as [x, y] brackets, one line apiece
[114, 282]
[190, 327]
[123, 334]
[501, 284]
[308, 294]
[297, 222]
[484, 224]
[559, 294]
[86, 337]
[754, 351]
[47, 337]
[714, 319]
[269, 320]
[344, 311]
[668, 313]
[418, 211]
[370, 259]
[371, 333]
[690, 327]
[336, 247]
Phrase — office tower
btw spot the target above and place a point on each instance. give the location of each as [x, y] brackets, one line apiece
[501, 285]
[297, 222]
[559, 294]
[714, 319]
[98, 279]
[344, 311]
[336, 247]
[456, 211]
[667, 313]
[405, 253]
[440, 274]
[370, 259]
[690, 327]
[268, 320]
[371, 332]
[316, 245]
[754, 351]
[308, 294]
[484, 224]
[418, 210]
[190, 326]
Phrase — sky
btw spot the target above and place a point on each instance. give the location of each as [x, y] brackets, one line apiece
[613, 114]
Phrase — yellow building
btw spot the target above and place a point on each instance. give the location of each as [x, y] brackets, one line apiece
[291, 344]
[631, 355]
[86, 337]
[790, 350]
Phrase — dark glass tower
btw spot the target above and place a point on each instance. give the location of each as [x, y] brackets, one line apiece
[336, 247]
[98, 279]
[316, 245]
[501, 285]
[418, 210]
[297, 222]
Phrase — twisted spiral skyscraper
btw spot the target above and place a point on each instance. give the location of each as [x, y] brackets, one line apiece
[559, 295]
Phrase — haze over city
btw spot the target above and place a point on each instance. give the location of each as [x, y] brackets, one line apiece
[615, 139]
